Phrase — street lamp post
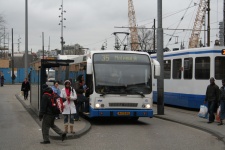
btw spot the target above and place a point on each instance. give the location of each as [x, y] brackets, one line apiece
[62, 41]
[61, 23]
[26, 38]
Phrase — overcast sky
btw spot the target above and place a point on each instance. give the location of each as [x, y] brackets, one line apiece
[91, 22]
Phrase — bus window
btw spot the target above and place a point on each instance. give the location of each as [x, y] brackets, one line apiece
[188, 68]
[202, 67]
[177, 69]
[167, 69]
[219, 68]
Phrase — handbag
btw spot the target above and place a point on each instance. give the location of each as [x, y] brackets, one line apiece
[218, 114]
[203, 112]
[21, 93]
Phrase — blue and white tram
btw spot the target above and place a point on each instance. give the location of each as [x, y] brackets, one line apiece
[187, 73]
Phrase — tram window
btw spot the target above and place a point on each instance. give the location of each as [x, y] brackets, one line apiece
[177, 68]
[188, 68]
[167, 69]
[202, 67]
[219, 67]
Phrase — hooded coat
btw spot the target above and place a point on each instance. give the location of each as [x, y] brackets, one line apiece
[69, 106]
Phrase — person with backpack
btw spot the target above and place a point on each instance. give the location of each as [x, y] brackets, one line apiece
[57, 92]
[48, 110]
[68, 95]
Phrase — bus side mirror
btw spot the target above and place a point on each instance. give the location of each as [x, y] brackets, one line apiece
[156, 68]
[89, 66]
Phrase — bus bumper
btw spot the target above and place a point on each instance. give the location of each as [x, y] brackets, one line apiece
[120, 113]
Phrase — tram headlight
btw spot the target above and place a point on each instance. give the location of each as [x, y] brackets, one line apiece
[97, 105]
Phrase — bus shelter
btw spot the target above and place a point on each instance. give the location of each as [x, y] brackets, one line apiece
[38, 77]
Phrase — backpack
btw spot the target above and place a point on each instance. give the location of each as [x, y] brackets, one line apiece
[56, 104]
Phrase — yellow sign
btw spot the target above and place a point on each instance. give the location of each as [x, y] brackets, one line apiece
[223, 52]
[123, 113]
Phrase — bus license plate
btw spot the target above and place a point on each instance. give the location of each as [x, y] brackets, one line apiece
[123, 113]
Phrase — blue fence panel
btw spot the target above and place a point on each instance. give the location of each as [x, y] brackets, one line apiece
[7, 74]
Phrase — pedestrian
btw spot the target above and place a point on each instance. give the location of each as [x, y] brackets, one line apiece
[68, 95]
[2, 80]
[47, 114]
[25, 88]
[222, 103]
[212, 97]
[57, 92]
[81, 89]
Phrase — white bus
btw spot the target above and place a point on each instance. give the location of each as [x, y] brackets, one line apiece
[50, 75]
[120, 83]
[187, 73]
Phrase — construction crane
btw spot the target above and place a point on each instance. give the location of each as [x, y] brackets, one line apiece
[194, 39]
[132, 25]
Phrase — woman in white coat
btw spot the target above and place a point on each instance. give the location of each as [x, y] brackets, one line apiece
[68, 94]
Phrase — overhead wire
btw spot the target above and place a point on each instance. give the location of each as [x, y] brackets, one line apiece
[165, 16]
[179, 23]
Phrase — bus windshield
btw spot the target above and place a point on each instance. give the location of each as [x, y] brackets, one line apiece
[122, 73]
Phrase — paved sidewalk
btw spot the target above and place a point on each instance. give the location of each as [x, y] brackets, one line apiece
[81, 127]
[190, 118]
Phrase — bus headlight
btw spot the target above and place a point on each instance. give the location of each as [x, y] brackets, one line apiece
[97, 105]
[147, 106]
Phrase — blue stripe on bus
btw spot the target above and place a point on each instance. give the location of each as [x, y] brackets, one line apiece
[188, 53]
[114, 112]
[181, 99]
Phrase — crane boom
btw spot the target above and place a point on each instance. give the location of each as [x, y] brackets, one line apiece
[193, 41]
[132, 24]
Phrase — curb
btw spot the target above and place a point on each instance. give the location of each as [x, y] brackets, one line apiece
[218, 135]
[51, 134]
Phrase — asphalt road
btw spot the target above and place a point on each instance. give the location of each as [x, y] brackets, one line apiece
[19, 131]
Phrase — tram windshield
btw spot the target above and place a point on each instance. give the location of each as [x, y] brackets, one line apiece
[117, 73]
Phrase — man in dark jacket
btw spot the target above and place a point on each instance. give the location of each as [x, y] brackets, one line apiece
[47, 114]
[81, 89]
[212, 97]
[222, 103]
[25, 88]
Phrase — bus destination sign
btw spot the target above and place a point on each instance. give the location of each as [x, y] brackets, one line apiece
[115, 57]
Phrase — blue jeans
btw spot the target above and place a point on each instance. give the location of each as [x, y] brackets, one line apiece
[222, 110]
[66, 117]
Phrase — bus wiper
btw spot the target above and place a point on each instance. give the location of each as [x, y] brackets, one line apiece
[103, 94]
[140, 93]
